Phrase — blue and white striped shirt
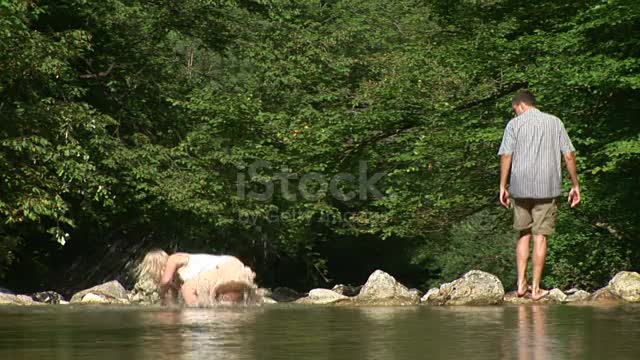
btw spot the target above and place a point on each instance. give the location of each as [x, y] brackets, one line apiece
[535, 139]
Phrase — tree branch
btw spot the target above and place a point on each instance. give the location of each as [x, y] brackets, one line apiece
[99, 74]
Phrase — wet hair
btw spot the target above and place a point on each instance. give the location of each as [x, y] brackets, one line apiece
[152, 265]
[525, 97]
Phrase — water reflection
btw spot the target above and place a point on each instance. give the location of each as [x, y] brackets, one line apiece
[532, 341]
[290, 332]
[186, 334]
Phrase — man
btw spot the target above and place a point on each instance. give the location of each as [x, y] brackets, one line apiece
[531, 148]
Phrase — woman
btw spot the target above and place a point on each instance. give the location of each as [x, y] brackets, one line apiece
[201, 279]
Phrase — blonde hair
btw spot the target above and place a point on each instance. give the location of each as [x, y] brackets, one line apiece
[152, 265]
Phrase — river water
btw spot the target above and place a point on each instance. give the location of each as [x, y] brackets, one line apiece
[308, 332]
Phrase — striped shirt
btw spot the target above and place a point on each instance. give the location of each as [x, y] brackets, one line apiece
[535, 140]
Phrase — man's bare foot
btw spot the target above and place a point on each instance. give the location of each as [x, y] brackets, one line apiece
[523, 288]
[537, 295]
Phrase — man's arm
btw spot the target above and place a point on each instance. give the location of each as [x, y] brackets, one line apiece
[574, 194]
[505, 167]
[506, 149]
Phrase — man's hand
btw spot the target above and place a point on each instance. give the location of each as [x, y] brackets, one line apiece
[574, 196]
[504, 197]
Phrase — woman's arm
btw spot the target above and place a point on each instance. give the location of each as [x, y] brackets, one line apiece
[174, 262]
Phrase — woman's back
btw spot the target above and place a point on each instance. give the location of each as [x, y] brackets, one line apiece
[199, 263]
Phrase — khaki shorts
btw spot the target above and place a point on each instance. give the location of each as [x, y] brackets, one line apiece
[537, 216]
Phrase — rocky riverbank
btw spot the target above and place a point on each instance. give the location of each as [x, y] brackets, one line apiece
[381, 289]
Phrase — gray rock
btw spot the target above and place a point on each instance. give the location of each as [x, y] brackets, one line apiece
[432, 294]
[416, 293]
[47, 297]
[321, 296]
[473, 288]
[92, 298]
[512, 298]
[112, 292]
[578, 296]
[284, 294]
[626, 285]
[383, 289]
[554, 296]
[347, 290]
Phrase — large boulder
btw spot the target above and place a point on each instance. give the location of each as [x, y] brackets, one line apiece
[473, 288]
[626, 285]
[604, 296]
[111, 292]
[383, 289]
[11, 299]
[321, 296]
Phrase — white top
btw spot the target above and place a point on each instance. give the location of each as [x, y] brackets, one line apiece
[199, 263]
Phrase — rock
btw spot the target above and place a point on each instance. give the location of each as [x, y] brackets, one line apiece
[512, 298]
[555, 296]
[112, 292]
[11, 299]
[92, 298]
[47, 297]
[415, 293]
[268, 300]
[578, 296]
[473, 288]
[626, 285]
[284, 294]
[347, 290]
[383, 289]
[604, 295]
[432, 294]
[571, 291]
[321, 296]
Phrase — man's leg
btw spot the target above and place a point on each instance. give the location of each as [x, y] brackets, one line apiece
[544, 221]
[522, 257]
[539, 254]
[522, 221]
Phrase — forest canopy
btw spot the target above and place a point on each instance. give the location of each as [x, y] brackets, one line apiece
[129, 124]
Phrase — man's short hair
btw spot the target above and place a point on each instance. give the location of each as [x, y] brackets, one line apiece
[524, 96]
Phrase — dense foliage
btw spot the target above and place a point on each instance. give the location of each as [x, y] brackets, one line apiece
[126, 124]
